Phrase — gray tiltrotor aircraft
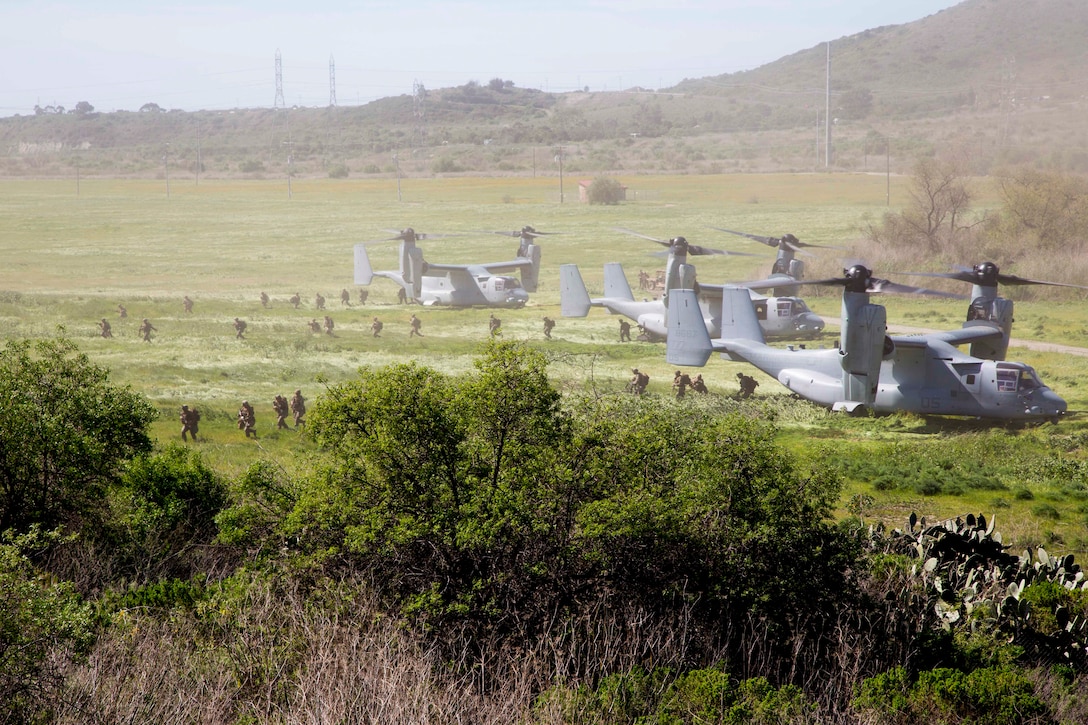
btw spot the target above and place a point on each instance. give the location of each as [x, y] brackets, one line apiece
[784, 316]
[923, 374]
[458, 285]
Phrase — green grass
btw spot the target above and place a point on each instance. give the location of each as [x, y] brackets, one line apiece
[69, 260]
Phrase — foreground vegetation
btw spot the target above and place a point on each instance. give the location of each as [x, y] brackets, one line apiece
[485, 549]
[492, 532]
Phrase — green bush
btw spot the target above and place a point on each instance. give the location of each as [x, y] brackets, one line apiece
[166, 507]
[605, 190]
[338, 171]
[65, 433]
[483, 499]
[43, 628]
[698, 696]
[446, 165]
[997, 696]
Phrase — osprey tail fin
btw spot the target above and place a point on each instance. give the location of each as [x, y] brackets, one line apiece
[573, 297]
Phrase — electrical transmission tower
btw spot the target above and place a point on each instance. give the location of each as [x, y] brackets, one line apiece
[279, 103]
[332, 81]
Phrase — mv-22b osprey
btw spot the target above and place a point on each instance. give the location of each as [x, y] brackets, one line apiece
[923, 374]
[781, 316]
[458, 285]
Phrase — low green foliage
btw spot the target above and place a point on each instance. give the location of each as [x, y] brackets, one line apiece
[605, 190]
[65, 432]
[44, 627]
[991, 695]
[660, 696]
[484, 499]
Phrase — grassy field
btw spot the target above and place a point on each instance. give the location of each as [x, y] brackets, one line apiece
[72, 254]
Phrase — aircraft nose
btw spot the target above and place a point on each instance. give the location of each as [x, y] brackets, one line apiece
[1047, 403]
[1054, 401]
[809, 322]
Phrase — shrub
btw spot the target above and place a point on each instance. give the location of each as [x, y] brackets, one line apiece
[43, 627]
[995, 695]
[483, 500]
[698, 696]
[605, 190]
[65, 432]
[338, 171]
[446, 165]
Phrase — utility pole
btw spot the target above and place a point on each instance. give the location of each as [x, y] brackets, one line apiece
[559, 158]
[887, 171]
[290, 158]
[419, 95]
[827, 111]
[396, 164]
[166, 168]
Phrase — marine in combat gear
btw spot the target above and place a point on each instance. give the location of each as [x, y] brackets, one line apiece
[298, 407]
[748, 385]
[282, 408]
[146, 328]
[247, 419]
[190, 421]
[681, 381]
[639, 381]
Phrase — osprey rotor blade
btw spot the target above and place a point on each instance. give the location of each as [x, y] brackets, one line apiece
[524, 232]
[787, 241]
[988, 274]
[696, 249]
[633, 233]
[885, 286]
[769, 241]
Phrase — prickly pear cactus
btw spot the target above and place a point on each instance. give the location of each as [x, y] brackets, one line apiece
[972, 581]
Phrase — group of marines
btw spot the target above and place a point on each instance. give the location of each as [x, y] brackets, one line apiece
[247, 416]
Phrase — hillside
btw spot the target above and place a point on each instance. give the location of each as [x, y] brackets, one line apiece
[1003, 81]
[980, 55]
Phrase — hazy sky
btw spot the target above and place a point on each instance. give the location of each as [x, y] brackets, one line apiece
[202, 54]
